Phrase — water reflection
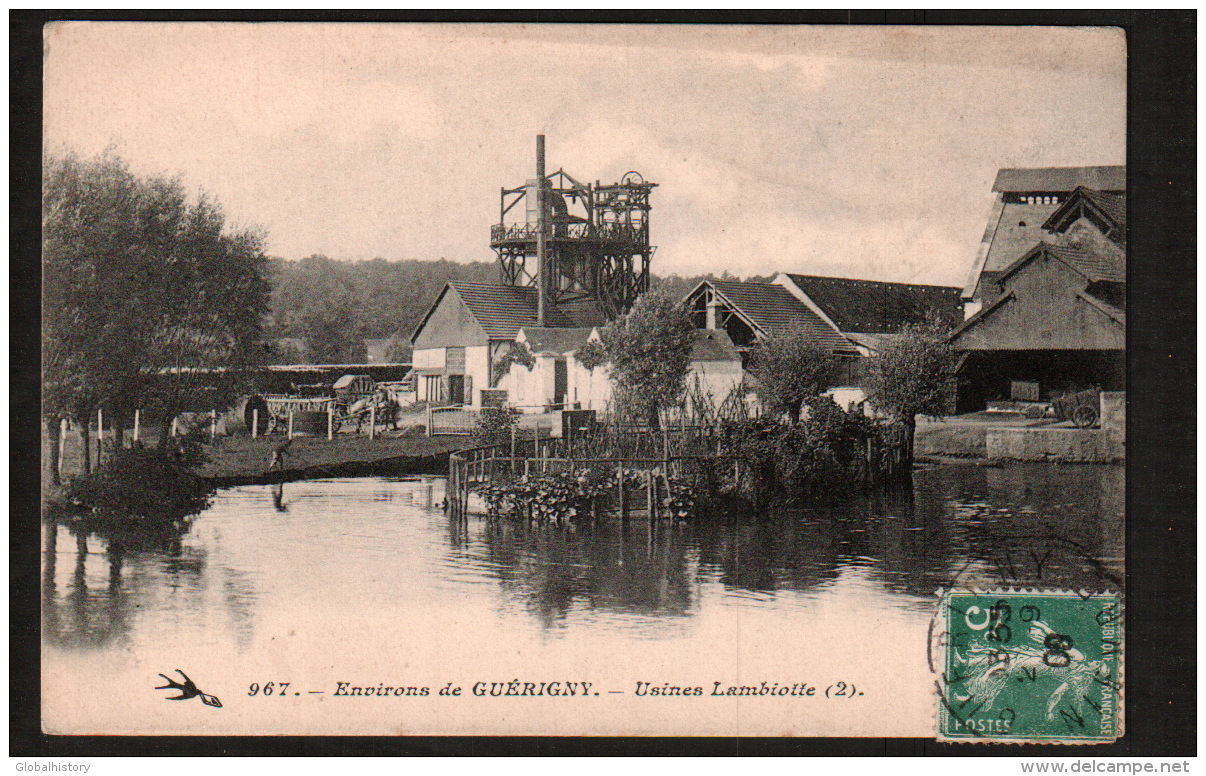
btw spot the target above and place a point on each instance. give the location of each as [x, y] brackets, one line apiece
[385, 545]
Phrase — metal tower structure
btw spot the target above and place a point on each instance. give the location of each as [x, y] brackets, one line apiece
[574, 242]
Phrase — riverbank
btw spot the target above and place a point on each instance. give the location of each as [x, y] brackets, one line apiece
[241, 460]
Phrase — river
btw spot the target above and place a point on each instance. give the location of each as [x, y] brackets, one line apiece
[367, 582]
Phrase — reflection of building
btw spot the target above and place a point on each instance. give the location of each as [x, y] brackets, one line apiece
[1048, 315]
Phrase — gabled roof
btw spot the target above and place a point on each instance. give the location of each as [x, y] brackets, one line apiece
[773, 309]
[713, 345]
[502, 311]
[1052, 179]
[550, 340]
[872, 306]
[1109, 208]
[1093, 265]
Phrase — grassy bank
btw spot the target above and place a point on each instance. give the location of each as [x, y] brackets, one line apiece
[241, 459]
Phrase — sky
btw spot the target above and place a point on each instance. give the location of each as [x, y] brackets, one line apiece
[865, 152]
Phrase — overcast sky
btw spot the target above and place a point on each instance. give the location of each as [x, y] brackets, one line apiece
[852, 151]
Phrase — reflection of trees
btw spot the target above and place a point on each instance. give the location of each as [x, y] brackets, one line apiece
[790, 550]
[627, 569]
[89, 609]
[1058, 525]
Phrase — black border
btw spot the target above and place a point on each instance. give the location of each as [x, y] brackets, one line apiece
[1161, 682]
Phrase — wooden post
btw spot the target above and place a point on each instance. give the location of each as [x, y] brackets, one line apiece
[330, 420]
[175, 429]
[429, 417]
[213, 424]
[372, 421]
[649, 497]
[623, 501]
[255, 422]
[513, 451]
[62, 449]
[290, 421]
[137, 423]
[100, 435]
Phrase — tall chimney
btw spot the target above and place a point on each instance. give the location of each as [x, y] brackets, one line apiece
[542, 279]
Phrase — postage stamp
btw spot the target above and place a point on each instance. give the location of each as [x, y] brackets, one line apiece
[1030, 666]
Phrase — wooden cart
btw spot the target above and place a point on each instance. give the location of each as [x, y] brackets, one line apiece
[1083, 408]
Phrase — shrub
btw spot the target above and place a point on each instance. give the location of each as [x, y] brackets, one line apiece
[494, 424]
[155, 488]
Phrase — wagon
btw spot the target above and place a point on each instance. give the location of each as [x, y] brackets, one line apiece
[1080, 407]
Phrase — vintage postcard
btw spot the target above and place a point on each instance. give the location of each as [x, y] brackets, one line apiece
[504, 379]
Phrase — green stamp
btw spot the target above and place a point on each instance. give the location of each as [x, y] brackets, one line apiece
[1029, 666]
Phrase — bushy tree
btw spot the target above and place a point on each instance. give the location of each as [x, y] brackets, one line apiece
[791, 367]
[913, 374]
[149, 301]
[649, 352]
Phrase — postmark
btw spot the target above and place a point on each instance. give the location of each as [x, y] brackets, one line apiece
[1029, 666]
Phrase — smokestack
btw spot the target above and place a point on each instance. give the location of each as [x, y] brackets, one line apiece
[542, 280]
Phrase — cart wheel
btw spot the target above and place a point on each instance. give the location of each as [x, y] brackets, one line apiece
[1084, 416]
[335, 424]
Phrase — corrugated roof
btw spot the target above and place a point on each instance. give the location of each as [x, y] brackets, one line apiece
[1051, 179]
[503, 310]
[774, 310]
[873, 306]
[555, 340]
[713, 345]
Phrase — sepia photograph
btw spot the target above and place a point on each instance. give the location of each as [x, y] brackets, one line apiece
[431, 379]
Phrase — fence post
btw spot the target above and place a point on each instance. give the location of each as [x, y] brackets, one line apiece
[372, 421]
[330, 420]
[175, 430]
[100, 435]
[650, 500]
[137, 423]
[62, 448]
[213, 424]
[255, 422]
[512, 466]
[290, 421]
[623, 502]
[428, 417]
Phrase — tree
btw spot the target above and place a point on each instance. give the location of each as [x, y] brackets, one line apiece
[790, 367]
[148, 300]
[649, 350]
[331, 337]
[913, 374]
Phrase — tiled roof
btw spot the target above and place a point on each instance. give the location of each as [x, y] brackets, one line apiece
[503, 310]
[774, 310]
[713, 345]
[1050, 179]
[1112, 206]
[1096, 266]
[550, 340]
[871, 306]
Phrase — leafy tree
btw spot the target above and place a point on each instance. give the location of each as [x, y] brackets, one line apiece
[913, 374]
[148, 300]
[331, 337]
[649, 349]
[790, 367]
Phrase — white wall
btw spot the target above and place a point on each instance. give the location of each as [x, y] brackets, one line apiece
[477, 366]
